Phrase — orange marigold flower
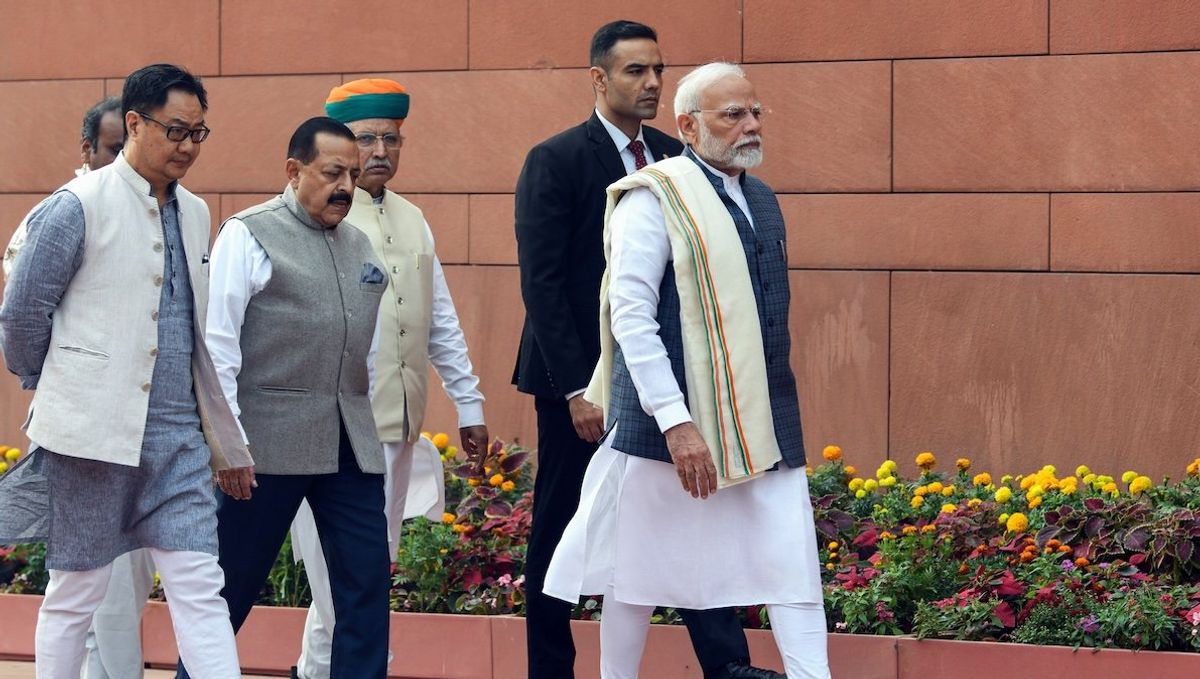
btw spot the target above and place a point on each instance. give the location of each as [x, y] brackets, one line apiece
[909, 530]
[1082, 562]
[982, 479]
[441, 440]
[963, 464]
[496, 480]
[926, 460]
[832, 453]
[850, 470]
[1064, 549]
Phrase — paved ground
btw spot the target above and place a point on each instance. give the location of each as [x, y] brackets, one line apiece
[24, 670]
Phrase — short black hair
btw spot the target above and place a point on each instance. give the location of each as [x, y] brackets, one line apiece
[303, 144]
[613, 32]
[91, 120]
[147, 88]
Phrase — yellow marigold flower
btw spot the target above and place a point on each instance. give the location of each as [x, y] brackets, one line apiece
[1004, 494]
[948, 491]
[832, 453]
[887, 535]
[496, 480]
[3, 467]
[1082, 470]
[1089, 478]
[917, 502]
[472, 482]
[860, 493]
[1193, 469]
[935, 487]
[12, 454]
[1128, 477]
[926, 460]
[1003, 519]
[829, 567]
[920, 491]
[909, 530]
[974, 502]
[963, 464]
[870, 485]
[1035, 502]
[808, 470]
[447, 517]
[1035, 491]
[887, 482]
[1109, 487]
[949, 508]
[1027, 482]
[833, 545]
[855, 484]
[1006, 478]
[1140, 484]
[459, 528]
[508, 486]
[889, 465]
[1017, 523]
[850, 470]
[443, 550]
[984, 479]
[1049, 469]
[928, 528]
[441, 440]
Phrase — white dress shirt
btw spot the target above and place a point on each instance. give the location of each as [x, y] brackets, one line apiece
[239, 268]
[641, 253]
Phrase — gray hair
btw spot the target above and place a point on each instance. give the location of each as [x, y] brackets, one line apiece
[691, 86]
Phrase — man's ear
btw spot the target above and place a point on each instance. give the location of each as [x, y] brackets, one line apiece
[599, 79]
[133, 123]
[688, 125]
[292, 168]
[85, 151]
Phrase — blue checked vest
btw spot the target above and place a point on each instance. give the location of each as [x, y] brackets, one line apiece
[765, 248]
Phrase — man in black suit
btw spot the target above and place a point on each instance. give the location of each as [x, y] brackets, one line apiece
[559, 222]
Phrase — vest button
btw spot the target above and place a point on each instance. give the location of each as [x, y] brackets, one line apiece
[154, 351]
[158, 280]
[349, 315]
[389, 240]
[395, 269]
[146, 387]
[153, 211]
[158, 247]
[403, 332]
[341, 275]
[399, 300]
[154, 315]
[345, 354]
[403, 364]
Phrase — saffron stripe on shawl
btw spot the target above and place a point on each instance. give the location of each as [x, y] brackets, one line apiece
[713, 317]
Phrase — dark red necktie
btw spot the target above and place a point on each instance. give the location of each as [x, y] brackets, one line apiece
[639, 156]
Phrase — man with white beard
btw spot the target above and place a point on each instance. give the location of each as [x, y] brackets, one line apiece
[699, 398]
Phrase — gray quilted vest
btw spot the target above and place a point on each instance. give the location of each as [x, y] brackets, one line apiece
[765, 249]
[305, 342]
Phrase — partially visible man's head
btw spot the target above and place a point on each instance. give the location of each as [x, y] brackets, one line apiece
[720, 117]
[164, 107]
[102, 134]
[322, 167]
[373, 109]
[626, 70]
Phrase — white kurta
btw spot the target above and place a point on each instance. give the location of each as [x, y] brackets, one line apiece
[636, 528]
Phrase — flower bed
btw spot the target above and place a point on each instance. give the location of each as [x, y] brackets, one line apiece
[1079, 560]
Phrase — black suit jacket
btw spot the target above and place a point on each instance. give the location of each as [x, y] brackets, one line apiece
[560, 247]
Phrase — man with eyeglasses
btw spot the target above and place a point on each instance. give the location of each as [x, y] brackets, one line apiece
[418, 327]
[704, 465]
[104, 316]
[559, 224]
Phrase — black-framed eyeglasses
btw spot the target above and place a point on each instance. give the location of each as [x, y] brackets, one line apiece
[735, 114]
[368, 140]
[178, 133]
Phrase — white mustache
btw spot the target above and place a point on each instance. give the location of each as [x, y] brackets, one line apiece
[378, 162]
[747, 140]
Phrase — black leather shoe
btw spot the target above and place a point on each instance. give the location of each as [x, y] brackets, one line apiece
[742, 670]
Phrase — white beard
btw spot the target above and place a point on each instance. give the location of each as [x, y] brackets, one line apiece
[717, 153]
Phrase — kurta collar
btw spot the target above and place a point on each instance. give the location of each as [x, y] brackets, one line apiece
[125, 171]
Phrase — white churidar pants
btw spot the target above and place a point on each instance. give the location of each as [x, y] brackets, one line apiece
[114, 643]
[192, 582]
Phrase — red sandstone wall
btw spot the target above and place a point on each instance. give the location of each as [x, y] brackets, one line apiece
[991, 203]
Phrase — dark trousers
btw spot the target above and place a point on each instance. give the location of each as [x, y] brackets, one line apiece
[563, 457]
[348, 508]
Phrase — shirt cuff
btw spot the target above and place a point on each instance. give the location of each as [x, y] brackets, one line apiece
[30, 382]
[470, 414]
[671, 416]
[575, 393]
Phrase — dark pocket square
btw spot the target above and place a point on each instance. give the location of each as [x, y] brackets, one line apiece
[372, 274]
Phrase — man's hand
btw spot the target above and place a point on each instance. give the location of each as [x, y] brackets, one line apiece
[693, 461]
[475, 444]
[587, 418]
[237, 482]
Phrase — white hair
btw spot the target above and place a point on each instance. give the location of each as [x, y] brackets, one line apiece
[691, 87]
